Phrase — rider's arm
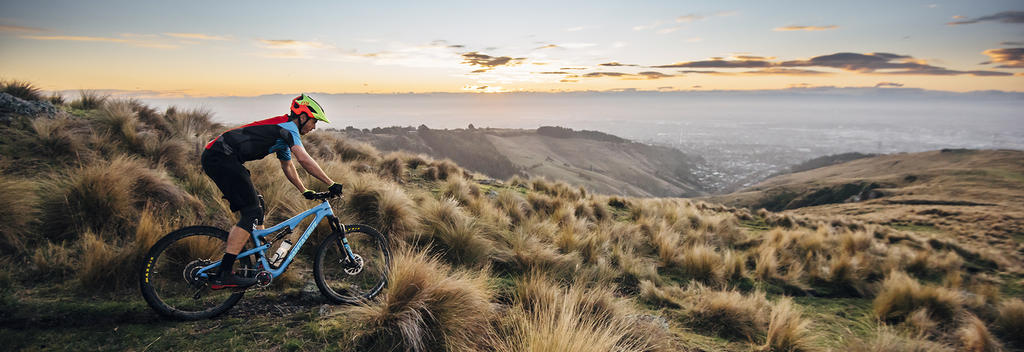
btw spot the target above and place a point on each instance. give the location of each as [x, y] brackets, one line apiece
[309, 164]
[293, 177]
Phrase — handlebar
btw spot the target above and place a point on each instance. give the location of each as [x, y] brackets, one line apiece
[318, 196]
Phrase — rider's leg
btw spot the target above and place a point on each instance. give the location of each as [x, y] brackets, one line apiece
[252, 216]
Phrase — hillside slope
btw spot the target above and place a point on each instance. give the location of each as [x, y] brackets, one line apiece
[602, 163]
[531, 265]
[975, 194]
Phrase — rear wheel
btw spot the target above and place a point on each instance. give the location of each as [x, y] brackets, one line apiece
[169, 277]
[346, 281]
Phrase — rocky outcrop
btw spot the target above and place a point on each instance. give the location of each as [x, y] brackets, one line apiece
[11, 106]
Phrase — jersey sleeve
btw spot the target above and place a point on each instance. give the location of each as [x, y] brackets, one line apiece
[289, 136]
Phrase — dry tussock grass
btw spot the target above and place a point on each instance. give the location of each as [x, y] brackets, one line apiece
[392, 166]
[788, 330]
[105, 197]
[901, 295]
[886, 339]
[458, 238]
[382, 205]
[1010, 322]
[18, 200]
[546, 317]
[427, 307]
[975, 337]
[729, 314]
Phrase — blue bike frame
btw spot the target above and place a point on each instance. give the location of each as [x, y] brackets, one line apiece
[321, 211]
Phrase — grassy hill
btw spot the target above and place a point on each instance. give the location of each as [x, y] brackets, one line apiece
[522, 265]
[599, 162]
[976, 196]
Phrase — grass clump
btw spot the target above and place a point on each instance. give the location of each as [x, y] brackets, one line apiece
[788, 330]
[427, 307]
[729, 314]
[547, 317]
[21, 89]
[89, 100]
[901, 295]
[1011, 321]
[18, 200]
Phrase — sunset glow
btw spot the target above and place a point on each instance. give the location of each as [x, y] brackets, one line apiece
[216, 49]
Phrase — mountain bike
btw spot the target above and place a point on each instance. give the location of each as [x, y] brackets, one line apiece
[350, 264]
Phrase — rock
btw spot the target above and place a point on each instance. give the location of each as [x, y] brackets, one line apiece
[11, 106]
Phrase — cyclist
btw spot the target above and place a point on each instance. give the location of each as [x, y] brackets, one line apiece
[222, 161]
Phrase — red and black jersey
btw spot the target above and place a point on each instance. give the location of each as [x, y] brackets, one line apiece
[256, 140]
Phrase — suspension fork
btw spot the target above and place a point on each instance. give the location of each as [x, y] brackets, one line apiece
[342, 242]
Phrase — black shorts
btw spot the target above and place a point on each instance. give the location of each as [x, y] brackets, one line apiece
[231, 177]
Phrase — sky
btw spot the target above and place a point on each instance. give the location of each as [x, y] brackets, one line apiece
[236, 48]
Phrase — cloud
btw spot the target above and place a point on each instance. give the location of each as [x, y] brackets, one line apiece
[21, 29]
[719, 63]
[77, 38]
[647, 26]
[1004, 17]
[573, 68]
[292, 44]
[805, 28]
[554, 73]
[490, 62]
[874, 63]
[653, 75]
[614, 64]
[646, 75]
[668, 30]
[689, 18]
[1007, 57]
[1012, 43]
[786, 71]
[888, 84]
[198, 36]
[549, 46]
[605, 74]
[695, 40]
[575, 29]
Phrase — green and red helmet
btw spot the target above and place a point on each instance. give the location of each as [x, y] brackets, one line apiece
[303, 104]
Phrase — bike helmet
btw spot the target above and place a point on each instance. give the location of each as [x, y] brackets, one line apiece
[304, 104]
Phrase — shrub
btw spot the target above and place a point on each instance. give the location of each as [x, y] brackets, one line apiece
[56, 99]
[89, 100]
[120, 120]
[21, 89]
[427, 307]
[701, 263]
[110, 265]
[901, 295]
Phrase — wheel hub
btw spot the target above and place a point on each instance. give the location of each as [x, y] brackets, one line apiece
[354, 268]
[191, 272]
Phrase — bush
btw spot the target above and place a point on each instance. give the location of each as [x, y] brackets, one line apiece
[427, 307]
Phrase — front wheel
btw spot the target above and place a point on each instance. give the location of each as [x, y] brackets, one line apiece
[346, 281]
[169, 277]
